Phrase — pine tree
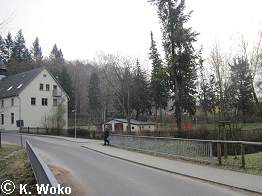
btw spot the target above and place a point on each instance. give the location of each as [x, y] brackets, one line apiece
[242, 85]
[3, 57]
[140, 93]
[36, 51]
[56, 55]
[56, 61]
[66, 83]
[20, 53]
[180, 55]
[94, 95]
[159, 84]
[9, 45]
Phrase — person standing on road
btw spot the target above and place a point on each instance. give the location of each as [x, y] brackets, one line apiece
[106, 135]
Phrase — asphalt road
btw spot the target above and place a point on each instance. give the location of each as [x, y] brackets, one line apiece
[101, 175]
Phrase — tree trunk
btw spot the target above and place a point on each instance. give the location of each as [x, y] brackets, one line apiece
[179, 121]
[206, 115]
[160, 114]
[128, 112]
[256, 100]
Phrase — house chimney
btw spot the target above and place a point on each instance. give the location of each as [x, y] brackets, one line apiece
[3, 70]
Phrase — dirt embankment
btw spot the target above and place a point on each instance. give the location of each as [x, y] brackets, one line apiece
[66, 179]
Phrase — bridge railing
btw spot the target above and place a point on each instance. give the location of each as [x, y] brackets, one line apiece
[232, 153]
[43, 174]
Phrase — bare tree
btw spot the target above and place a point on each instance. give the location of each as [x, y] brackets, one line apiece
[255, 60]
[220, 66]
[116, 71]
[55, 119]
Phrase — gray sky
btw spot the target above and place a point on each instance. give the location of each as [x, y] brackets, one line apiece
[84, 27]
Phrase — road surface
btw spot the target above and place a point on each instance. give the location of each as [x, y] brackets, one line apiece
[101, 175]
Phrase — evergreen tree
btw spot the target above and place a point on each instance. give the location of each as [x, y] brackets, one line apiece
[94, 95]
[159, 84]
[242, 86]
[20, 53]
[180, 55]
[3, 57]
[9, 45]
[56, 61]
[36, 51]
[56, 55]
[66, 83]
[140, 95]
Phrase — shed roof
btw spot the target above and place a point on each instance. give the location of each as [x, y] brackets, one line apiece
[132, 121]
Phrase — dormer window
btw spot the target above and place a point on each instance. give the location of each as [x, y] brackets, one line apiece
[20, 85]
[9, 88]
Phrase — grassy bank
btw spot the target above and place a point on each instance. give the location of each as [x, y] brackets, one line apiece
[253, 163]
[17, 168]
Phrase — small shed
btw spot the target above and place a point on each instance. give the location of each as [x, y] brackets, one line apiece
[119, 125]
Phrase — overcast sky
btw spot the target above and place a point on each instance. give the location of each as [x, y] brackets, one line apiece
[81, 28]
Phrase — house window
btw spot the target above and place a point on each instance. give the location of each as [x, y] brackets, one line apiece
[33, 101]
[2, 103]
[44, 75]
[41, 87]
[47, 87]
[12, 118]
[54, 87]
[54, 102]
[44, 101]
[54, 90]
[2, 119]
[12, 102]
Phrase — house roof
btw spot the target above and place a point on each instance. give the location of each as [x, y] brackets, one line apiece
[12, 85]
[132, 121]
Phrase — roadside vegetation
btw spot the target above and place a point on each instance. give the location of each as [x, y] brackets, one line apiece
[253, 163]
[16, 168]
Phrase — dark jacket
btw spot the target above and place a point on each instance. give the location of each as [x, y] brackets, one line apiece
[106, 133]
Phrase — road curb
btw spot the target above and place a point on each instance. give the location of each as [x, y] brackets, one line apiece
[173, 172]
[48, 136]
[57, 137]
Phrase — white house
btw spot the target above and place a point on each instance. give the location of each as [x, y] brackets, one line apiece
[30, 98]
[120, 125]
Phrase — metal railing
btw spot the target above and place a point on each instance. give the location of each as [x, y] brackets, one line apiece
[215, 151]
[41, 171]
[186, 148]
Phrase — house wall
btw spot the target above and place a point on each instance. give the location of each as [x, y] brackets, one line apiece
[43, 112]
[148, 127]
[7, 110]
[35, 115]
[134, 128]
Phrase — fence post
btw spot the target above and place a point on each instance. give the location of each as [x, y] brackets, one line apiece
[219, 153]
[210, 150]
[243, 163]
[225, 144]
[21, 140]
[0, 139]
